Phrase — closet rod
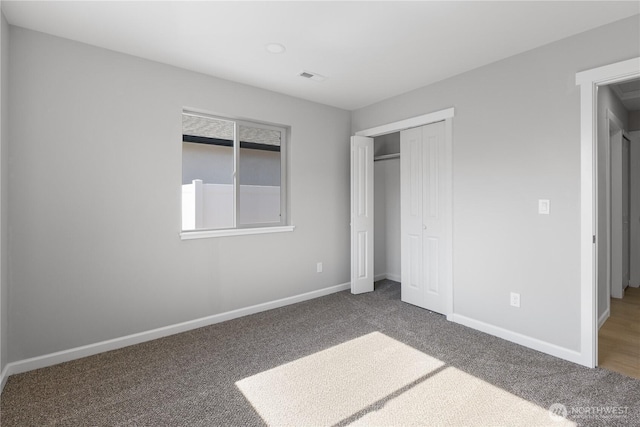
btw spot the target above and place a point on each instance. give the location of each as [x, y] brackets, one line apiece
[386, 157]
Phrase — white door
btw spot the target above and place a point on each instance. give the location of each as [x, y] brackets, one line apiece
[425, 216]
[361, 214]
[411, 226]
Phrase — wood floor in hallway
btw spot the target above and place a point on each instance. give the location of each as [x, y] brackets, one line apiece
[619, 337]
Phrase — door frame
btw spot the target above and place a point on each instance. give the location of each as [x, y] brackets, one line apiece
[588, 81]
[445, 115]
[634, 137]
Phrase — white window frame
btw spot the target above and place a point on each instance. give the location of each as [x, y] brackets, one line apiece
[248, 229]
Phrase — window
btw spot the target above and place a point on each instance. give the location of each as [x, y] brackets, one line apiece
[233, 174]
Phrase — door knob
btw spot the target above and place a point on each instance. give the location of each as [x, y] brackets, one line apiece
[424, 227]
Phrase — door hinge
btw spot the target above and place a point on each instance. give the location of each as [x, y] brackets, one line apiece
[594, 238]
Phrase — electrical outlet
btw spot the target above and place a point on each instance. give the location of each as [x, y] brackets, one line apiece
[543, 206]
[319, 267]
[515, 299]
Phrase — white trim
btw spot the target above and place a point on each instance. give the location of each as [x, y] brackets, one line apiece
[448, 125]
[116, 343]
[412, 122]
[382, 276]
[4, 376]
[204, 234]
[588, 297]
[588, 81]
[604, 317]
[634, 281]
[394, 277]
[524, 340]
[611, 73]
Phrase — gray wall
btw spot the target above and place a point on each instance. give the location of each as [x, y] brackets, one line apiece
[634, 121]
[607, 100]
[387, 218]
[379, 219]
[4, 189]
[95, 198]
[387, 207]
[386, 144]
[516, 139]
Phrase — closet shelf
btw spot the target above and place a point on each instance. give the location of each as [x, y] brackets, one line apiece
[386, 157]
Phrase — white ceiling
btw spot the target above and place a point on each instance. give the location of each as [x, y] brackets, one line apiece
[368, 51]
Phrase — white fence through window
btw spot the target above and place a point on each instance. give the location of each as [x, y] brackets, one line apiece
[210, 206]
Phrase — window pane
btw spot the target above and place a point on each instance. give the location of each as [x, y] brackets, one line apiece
[207, 173]
[260, 172]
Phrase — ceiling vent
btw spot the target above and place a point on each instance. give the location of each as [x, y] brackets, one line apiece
[312, 76]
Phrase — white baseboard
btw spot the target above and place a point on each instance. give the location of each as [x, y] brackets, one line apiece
[382, 276]
[4, 375]
[116, 343]
[604, 317]
[533, 343]
[394, 277]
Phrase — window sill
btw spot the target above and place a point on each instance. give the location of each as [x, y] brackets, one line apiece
[205, 234]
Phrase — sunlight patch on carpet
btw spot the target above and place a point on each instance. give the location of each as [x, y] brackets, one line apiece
[376, 380]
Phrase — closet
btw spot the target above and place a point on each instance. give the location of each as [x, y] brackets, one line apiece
[386, 168]
[426, 217]
[401, 209]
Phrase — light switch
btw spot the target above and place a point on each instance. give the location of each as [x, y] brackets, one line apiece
[543, 206]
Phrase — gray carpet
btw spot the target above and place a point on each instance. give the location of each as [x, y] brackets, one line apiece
[195, 378]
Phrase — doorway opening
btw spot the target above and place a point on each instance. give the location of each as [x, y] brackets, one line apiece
[618, 226]
[386, 169]
[589, 81]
